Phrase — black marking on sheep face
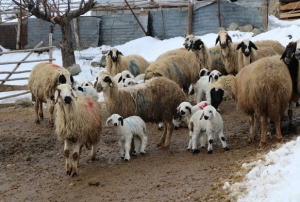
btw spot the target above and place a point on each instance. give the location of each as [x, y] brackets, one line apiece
[67, 99]
[246, 48]
[197, 45]
[80, 88]
[121, 120]
[72, 79]
[107, 79]
[216, 97]
[115, 124]
[62, 79]
[203, 72]
[120, 79]
[206, 117]
[289, 53]
[223, 44]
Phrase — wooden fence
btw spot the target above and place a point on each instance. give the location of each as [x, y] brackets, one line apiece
[289, 10]
[6, 88]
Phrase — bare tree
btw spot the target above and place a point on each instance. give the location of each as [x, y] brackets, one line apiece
[51, 11]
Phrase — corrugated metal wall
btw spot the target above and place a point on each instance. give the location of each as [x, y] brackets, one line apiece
[38, 30]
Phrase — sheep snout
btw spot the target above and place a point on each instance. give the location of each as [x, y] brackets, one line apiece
[67, 99]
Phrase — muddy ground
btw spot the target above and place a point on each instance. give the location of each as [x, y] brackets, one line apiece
[32, 163]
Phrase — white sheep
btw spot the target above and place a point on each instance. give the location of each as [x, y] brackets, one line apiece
[203, 86]
[42, 83]
[116, 63]
[154, 101]
[214, 126]
[133, 127]
[78, 120]
[186, 110]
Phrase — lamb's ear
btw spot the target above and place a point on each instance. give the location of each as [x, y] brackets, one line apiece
[210, 77]
[73, 93]
[80, 88]
[95, 83]
[283, 55]
[72, 80]
[56, 95]
[239, 46]
[201, 115]
[120, 79]
[217, 40]
[252, 45]
[119, 53]
[62, 79]
[109, 53]
[121, 120]
[228, 38]
[188, 108]
[178, 109]
[108, 121]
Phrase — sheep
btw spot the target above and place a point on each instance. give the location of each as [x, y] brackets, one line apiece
[155, 100]
[214, 126]
[116, 63]
[186, 110]
[262, 89]
[130, 82]
[203, 85]
[209, 57]
[42, 82]
[87, 91]
[132, 127]
[120, 77]
[261, 49]
[203, 72]
[78, 120]
[172, 67]
[86, 83]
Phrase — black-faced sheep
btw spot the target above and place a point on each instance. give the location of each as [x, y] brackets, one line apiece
[78, 120]
[42, 83]
[132, 127]
[262, 89]
[116, 63]
[174, 68]
[154, 101]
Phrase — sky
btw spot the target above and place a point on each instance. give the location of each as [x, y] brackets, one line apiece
[276, 177]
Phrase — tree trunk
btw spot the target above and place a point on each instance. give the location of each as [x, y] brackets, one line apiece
[67, 51]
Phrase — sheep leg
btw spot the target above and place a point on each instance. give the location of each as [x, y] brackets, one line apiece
[163, 136]
[195, 136]
[223, 141]
[203, 139]
[122, 149]
[190, 141]
[278, 130]
[75, 157]
[93, 151]
[137, 145]
[263, 138]
[127, 148]
[210, 142]
[170, 127]
[67, 156]
[253, 127]
[51, 110]
[199, 96]
[144, 141]
[36, 107]
[41, 114]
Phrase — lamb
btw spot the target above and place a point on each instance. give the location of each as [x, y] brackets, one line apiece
[133, 127]
[116, 63]
[42, 83]
[261, 49]
[203, 85]
[120, 77]
[203, 72]
[78, 120]
[172, 67]
[154, 101]
[186, 110]
[262, 89]
[129, 82]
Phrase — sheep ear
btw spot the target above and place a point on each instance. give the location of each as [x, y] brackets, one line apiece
[62, 79]
[73, 93]
[120, 79]
[178, 109]
[188, 108]
[253, 45]
[119, 53]
[283, 55]
[56, 95]
[72, 79]
[108, 120]
[80, 88]
[217, 40]
[210, 77]
[239, 46]
[228, 38]
[121, 120]
[201, 115]
[109, 53]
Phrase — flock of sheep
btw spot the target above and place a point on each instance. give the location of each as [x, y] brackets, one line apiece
[262, 78]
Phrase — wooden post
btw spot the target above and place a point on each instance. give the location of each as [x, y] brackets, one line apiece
[264, 9]
[50, 43]
[18, 31]
[190, 18]
[219, 14]
[76, 32]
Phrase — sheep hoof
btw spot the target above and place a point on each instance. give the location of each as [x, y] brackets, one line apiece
[126, 160]
[74, 174]
[37, 122]
[262, 144]
[142, 153]
[209, 151]
[51, 124]
[176, 128]
[189, 149]
[68, 172]
[41, 117]
[122, 157]
[93, 158]
[196, 151]
[297, 104]
[133, 153]
[279, 139]
[160, 128]
[226, 148]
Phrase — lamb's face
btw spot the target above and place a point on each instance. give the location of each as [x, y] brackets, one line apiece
[297, 52]
[103, 81]
[214, 76]
[217, 95]
[124, 75]
[64, 93]
[289, 52]
[188, 42]
[115, 119]
[208, 113]
[184, 108]
[246, 47]
[129, 82]
[113, 54]
[223, 39]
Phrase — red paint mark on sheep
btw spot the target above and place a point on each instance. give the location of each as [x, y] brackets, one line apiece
[89, 103]
[203, 106]
[90, 107]
[53, 65]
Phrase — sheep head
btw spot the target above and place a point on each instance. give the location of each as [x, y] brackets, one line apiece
[208, 113]
[184, 108]
[246, 46]
[197, 44]
[115, 119]
[223, 38]
[114, 54]
[297, 53]
[214, 76]
[104, 81]
[124, 75]
[188, 42]
[64, 93]
[289, 52]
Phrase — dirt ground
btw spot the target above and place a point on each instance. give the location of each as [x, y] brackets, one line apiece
[32, 163]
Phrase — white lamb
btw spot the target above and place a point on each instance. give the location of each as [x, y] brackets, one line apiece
[186, 110]
[130, 82]
[131, 127]
[203, 86]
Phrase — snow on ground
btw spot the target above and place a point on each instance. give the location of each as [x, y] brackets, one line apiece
[275, 178]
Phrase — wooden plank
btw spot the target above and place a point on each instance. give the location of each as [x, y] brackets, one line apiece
[27, 50]
[288, 15]
[19, 72]
[28, 61]
[290, 6]
[5, 88]
[15, 95]
[264, 9]
[16, 79]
